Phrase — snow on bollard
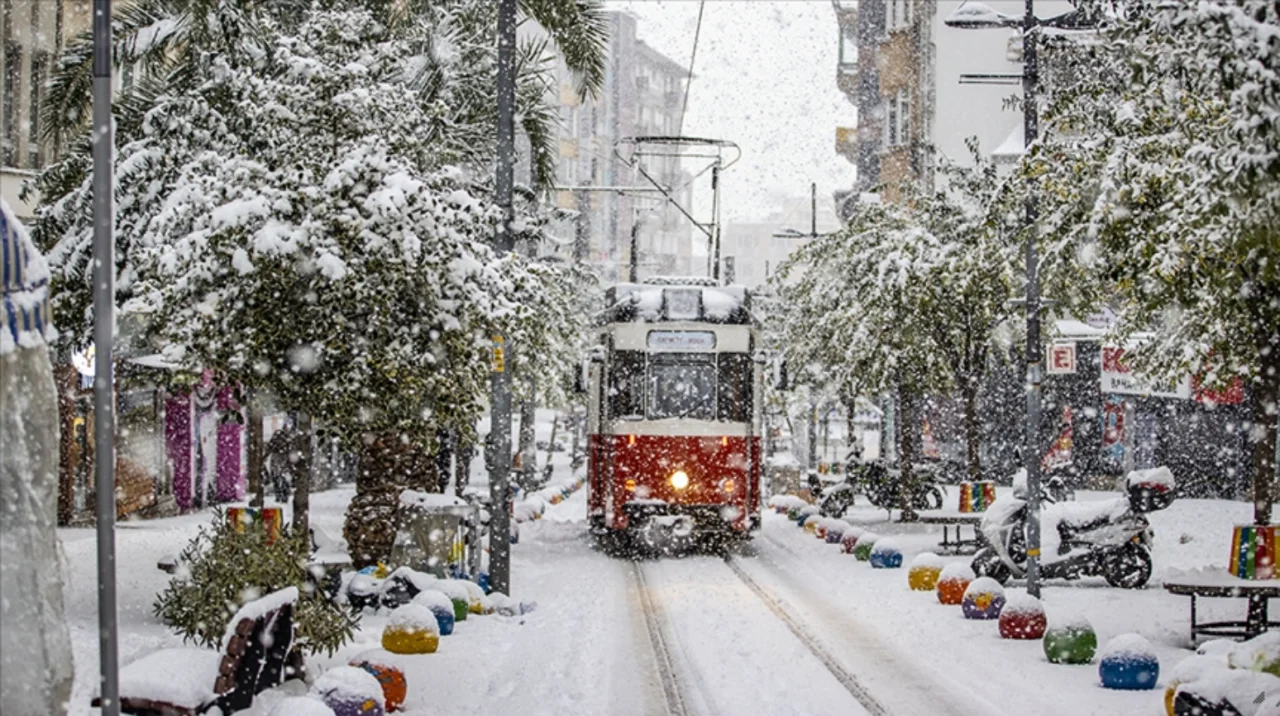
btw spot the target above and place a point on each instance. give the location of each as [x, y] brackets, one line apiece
[836, 530]
[983, 599]
[381, 665]
[849, 541]
[1187, 671]
[886, 554]
[1070, 640]
[924, 572]
[1261, 653]
[1022, 617]
[411, 629]
[953, 581]
[301, 706]
[457, 594]
[862, 548]
[1129, 663]
[349, 691]
[820, 528]
[441, 606]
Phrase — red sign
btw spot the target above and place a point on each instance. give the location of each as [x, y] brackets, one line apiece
[1233, 394]
[1062, 359]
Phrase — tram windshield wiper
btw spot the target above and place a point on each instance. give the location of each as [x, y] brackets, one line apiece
[697, 406]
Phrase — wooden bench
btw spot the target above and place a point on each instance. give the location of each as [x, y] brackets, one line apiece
[949, 519]
[187, 681]
[1257, 592]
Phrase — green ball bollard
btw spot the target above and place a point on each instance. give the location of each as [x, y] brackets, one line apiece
[1074, 644]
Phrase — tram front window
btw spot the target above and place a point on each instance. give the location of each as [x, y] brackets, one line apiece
[682, 388]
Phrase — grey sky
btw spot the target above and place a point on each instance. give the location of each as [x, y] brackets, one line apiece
[764, 77]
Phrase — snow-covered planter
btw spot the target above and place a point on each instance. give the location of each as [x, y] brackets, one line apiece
[411, 629]
[1129, 663]
[1022, 617]
[886, 554]
[349, 691]
[953, 581]
[924, 572]
[1070, 640]
[983, 599]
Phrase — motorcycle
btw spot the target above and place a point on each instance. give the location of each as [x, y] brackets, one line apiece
[1107, 538]
[881, 485]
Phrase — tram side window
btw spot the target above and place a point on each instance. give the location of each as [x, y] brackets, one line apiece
[626, 385]
[735, 388]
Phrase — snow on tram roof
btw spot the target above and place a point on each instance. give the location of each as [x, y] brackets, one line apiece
[677, 299]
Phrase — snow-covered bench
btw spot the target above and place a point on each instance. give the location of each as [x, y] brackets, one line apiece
[186, 681]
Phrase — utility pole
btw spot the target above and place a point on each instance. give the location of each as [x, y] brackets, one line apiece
[500, 408]
[1030, 130]
[104, 419]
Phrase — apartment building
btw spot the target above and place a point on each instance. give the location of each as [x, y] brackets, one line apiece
[34, 32]
[642, 97]
[916, 86]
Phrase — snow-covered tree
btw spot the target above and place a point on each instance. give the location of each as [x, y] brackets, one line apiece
[907, 297]
[1159, 177]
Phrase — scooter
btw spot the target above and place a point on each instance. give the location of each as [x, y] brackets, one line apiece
[1107, 538]
[881, 485]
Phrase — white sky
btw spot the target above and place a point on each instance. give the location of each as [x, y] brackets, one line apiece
[764, 77]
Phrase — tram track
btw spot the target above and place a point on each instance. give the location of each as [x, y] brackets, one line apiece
[654, 621]
[809, 640]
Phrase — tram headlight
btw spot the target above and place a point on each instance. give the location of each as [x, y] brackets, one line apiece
[679, 479]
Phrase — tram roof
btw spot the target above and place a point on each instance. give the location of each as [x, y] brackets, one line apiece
[670, 301]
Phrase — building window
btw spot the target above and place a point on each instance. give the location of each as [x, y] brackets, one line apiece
[848, 45]
[899, 15]
[39, 61]
[898, 119]
[12, 87]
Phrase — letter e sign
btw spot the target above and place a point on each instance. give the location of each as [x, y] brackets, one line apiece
[1062, 359]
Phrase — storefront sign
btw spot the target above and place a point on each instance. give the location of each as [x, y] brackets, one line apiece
[1062, 359]
[682, 341]
[1118, 378]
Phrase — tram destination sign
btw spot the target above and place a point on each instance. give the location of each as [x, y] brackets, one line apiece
[691, 341]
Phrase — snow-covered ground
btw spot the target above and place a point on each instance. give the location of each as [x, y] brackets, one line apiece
[588, 648]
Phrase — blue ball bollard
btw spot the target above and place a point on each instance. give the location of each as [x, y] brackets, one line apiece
[1129, 663]
[886, 554]
[441, 608]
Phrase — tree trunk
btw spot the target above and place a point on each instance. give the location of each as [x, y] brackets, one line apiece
[302, 474]
[908, 427]
[1266, 405]
[526, 450]
[972, 433]
[66, 377]
[256, 486]
[551, 449]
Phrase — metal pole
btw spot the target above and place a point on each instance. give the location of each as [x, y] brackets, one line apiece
[633, 272]
[104, 421]
[813, 210]
[715, 220]
[1030, 131]
[500, 410]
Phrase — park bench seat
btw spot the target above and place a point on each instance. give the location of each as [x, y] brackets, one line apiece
[186, 681]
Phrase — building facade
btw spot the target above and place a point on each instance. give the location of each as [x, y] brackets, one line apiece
[642, 97]
[34, 32]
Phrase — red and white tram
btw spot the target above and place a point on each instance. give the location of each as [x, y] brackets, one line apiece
[674, 412]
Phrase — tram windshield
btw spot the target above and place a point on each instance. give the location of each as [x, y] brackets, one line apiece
[682, 387]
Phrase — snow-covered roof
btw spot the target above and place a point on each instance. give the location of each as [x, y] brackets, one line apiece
[1071, 328]
[632, 302]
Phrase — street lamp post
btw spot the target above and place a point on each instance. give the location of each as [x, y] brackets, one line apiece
[974, 15]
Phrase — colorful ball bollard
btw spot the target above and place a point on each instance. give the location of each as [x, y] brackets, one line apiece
[983, 599]
[793, 513]
[953, 581]
[411, 629]
[349, 691]
[458, 595]
[923, 574]
[379, 665]
[835, 531]
[849, 541]
[867, 542]
[1022, 617]
[885, 554]
[1129, 663]
[441, 607]
[1188, 670]
[1070, 641]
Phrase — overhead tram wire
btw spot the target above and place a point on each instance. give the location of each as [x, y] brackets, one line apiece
[693, 56]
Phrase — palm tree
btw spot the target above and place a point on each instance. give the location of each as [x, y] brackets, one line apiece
[168, 41]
